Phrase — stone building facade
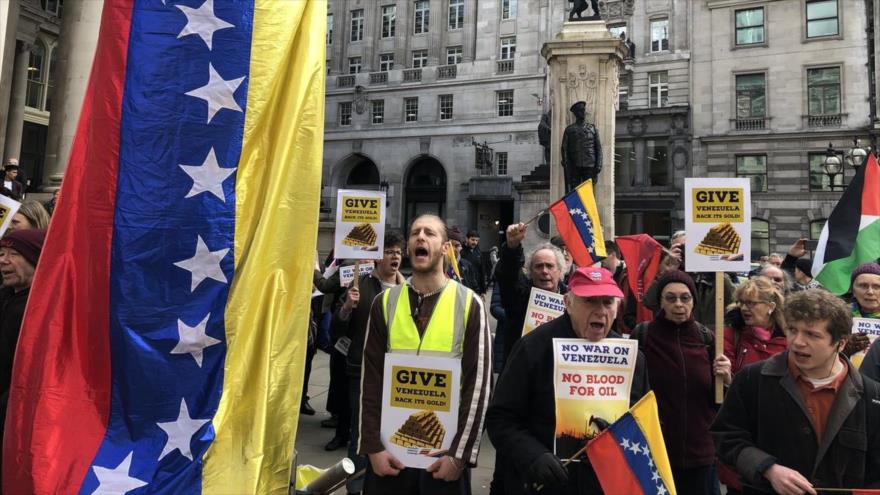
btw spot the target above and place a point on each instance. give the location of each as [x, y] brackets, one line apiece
[774, 82]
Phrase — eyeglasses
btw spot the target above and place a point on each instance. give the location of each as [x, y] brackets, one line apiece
[750, 304]
[671, 298]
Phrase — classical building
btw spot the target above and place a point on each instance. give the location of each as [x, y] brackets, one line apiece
[773, 83]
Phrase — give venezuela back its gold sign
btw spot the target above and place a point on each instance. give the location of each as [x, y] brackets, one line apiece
[361, 210]
[421, 388]
[718, 205]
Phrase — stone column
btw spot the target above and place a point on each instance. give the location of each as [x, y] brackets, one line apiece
[9, 12]
[15, 117]
[584, 62]
[77, 43]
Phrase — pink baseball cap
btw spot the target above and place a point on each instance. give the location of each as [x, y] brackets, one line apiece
[593, 282]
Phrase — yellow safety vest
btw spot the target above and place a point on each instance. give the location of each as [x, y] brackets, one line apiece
[445, 333]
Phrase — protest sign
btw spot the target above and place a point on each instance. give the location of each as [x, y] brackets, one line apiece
[869, 326]
[346, 273]
[360, 224]
[718, 222]
[543, 306]
[420, 401]
[8, 208]
[591, 380]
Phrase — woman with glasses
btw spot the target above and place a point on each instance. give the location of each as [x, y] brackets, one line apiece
[679, 352]
[866, 304]
[756, 332]
[757, 325]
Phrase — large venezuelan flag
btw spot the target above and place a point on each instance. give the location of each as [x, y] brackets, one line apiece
[163, 345]
[577, 220]
[630, 456]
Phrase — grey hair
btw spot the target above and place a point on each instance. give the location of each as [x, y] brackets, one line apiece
[560, 258]
[677, 234]
[787, 283]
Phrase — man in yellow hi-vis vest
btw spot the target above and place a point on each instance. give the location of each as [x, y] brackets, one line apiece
[430, 315]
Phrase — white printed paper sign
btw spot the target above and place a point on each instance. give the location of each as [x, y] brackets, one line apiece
[591, 380]
[346, 273]
[869, 326]
[543, 306]
[360, 224]
[8, 208]
[420, 401]
[718, 222]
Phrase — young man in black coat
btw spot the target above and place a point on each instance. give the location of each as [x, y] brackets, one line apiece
[521, 420]
[805, 419]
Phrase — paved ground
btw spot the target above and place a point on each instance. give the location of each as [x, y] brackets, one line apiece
[311, 438]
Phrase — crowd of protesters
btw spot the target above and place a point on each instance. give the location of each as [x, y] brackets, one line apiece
[797, 415]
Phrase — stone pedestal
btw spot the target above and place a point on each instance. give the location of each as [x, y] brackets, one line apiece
[79, 38]
[585, 61]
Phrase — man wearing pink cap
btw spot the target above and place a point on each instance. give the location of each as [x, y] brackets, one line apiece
[521, 419]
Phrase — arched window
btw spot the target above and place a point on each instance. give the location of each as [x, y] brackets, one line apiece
[36, 76]
[425, 189]
[760, 238]
[364, 173]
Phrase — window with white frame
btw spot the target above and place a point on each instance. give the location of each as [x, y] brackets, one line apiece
[389, 20]
[421, 17]
[501, 162]
[751, 96]
[823, 91]
[419, 58]
[822, 18]
[658, 89]
[508, 9]
[357, 25]
[456, 14]
[344, 113]
[386, 62]
[659, 35]
[504, 101]
[749, 26]
[508, 48]
[354, 65]
[36, 76]
[411, 109]
[377, 111]
[329, 29]
[453, 55]
[446, 107]
[753, 167]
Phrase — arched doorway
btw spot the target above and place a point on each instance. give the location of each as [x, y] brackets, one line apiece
[362, 172]
[425, 189]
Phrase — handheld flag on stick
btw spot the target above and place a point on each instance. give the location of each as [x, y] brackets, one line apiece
[163, 344]
[642, 255]
[577, 220]
[851, 236]
[630, 456]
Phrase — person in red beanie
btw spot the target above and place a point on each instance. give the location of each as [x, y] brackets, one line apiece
[19, 253]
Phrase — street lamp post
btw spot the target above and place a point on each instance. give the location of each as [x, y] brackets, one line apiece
[833, 166]
[857, 155]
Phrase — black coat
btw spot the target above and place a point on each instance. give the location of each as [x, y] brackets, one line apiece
[521, 419]
[11, 314]
[764, 421]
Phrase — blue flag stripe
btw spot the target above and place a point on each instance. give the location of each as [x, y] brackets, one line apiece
[635, 449]
[156, 225]
[583, 221]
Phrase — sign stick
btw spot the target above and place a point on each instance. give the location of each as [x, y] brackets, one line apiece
[719, 332]
[357, 276]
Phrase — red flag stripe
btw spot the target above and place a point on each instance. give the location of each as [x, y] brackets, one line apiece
[80, 237]
[871, 189]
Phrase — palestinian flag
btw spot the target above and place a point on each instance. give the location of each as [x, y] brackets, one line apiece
[851, 236]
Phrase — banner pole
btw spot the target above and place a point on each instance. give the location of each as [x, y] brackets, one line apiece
[719, 332]
[357, 275]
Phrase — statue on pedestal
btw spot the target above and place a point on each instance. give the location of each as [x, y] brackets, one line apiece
[581, 149]
[578, 6]
[544, 134]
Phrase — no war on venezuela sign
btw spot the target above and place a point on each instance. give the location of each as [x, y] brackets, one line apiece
[592, 379]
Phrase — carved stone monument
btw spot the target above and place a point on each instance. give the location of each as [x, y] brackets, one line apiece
[585, 61]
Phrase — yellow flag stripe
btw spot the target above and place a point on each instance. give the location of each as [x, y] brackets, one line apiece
[277, 194]
[648, 418]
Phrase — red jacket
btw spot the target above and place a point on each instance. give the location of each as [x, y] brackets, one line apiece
[751, 344]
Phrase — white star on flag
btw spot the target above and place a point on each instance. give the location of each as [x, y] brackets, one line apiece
[655, 475]
[635, 447]
[646, 451]
[625, 444]
[202, 21]
[208, 177]
[193, 340]
[661, 490]
[218, 93]
[117, 480]
[204, 264]
[180, 432]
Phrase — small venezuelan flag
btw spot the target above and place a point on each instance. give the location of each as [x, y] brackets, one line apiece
[630, 456]
[577, 221]
[162, 349]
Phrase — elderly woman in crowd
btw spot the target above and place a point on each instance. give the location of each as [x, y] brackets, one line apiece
[31, 215]
[681, 368]
[866, 304]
